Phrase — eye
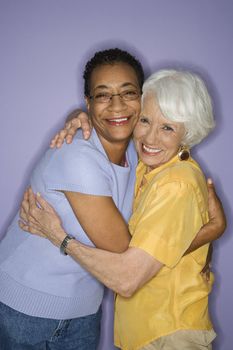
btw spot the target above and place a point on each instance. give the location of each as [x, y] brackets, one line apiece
[102, 96]
[130, 94]
[144, 120]
[168, 128]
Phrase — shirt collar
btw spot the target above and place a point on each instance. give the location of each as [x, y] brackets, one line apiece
[142, 169]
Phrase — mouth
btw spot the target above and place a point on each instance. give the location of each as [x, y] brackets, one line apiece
[150, 150]
[118, 121]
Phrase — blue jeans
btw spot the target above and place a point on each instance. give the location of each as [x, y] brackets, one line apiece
[22, 332]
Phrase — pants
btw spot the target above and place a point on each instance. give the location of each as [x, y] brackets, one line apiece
[183, 339]
[22, 332]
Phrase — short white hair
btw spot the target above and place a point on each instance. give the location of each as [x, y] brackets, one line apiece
[183, 97]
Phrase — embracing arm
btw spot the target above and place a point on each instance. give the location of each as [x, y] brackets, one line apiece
[216, 225]
[123, 272]
[101, 220]
[75, 120]
[98, 216]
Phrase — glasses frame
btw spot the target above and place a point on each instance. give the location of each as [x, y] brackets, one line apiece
[121, 95]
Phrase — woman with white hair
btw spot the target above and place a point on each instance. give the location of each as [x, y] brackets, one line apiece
[162, 298]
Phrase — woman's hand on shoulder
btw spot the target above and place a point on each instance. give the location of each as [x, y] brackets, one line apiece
[75, 120]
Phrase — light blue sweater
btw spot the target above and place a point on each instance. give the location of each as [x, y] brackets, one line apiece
[34, 277]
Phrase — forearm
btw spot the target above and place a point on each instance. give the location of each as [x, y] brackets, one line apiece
[207, 234]
[124, 273]
[109, 268]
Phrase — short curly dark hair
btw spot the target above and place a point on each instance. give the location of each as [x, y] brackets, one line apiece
[111, 56]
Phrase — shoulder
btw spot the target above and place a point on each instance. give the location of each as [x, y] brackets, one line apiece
[180, 179]
[184, 172]
[78, 155]
[80, 167]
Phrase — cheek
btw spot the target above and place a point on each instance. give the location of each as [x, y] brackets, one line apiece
[174, 144]
[135, 110]
[137, 145]
[95, 112]
[137, 132]
[138, 109]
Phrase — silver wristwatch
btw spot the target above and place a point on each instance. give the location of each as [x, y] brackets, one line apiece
[64, 244]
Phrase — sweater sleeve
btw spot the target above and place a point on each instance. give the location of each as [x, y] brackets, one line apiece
[79, 167]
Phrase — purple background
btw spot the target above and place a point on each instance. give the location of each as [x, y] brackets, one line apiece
[43, 47]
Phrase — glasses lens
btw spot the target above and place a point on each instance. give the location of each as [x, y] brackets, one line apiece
[102, 97]
[129, 95]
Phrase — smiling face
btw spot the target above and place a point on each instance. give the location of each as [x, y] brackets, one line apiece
[115, 120]
[157, 139]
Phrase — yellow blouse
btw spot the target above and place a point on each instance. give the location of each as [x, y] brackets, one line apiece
[169, 209]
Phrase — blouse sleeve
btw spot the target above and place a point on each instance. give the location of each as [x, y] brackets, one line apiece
[169, 223]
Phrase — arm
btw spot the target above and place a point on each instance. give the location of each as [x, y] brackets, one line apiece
[130, 270]
[98, 216]
[84, 176]
[75, 120]
[122, 272]
[216, 225]
[101, 220]
[119, 240]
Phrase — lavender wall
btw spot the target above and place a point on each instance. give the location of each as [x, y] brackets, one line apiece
[43, 46]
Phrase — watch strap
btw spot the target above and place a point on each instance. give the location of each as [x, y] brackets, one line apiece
[64, 244]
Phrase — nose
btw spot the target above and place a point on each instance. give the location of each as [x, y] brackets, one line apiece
[117, 103]
[152, 136]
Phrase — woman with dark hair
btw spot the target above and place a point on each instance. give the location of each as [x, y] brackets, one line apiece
[47, 300]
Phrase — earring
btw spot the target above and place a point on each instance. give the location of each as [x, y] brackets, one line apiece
[184, 153]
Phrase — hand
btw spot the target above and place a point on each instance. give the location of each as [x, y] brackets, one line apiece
[77, 119]
[39, 217]
[207, 268]
[216, 213]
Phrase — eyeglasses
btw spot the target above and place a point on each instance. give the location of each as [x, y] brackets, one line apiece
[106, 97]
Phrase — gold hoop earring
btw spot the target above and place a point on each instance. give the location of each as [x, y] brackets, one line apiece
[184, 153]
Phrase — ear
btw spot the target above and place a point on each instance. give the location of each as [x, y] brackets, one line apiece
[87, 101]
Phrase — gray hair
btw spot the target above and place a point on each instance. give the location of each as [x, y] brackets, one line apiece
[183, 97]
